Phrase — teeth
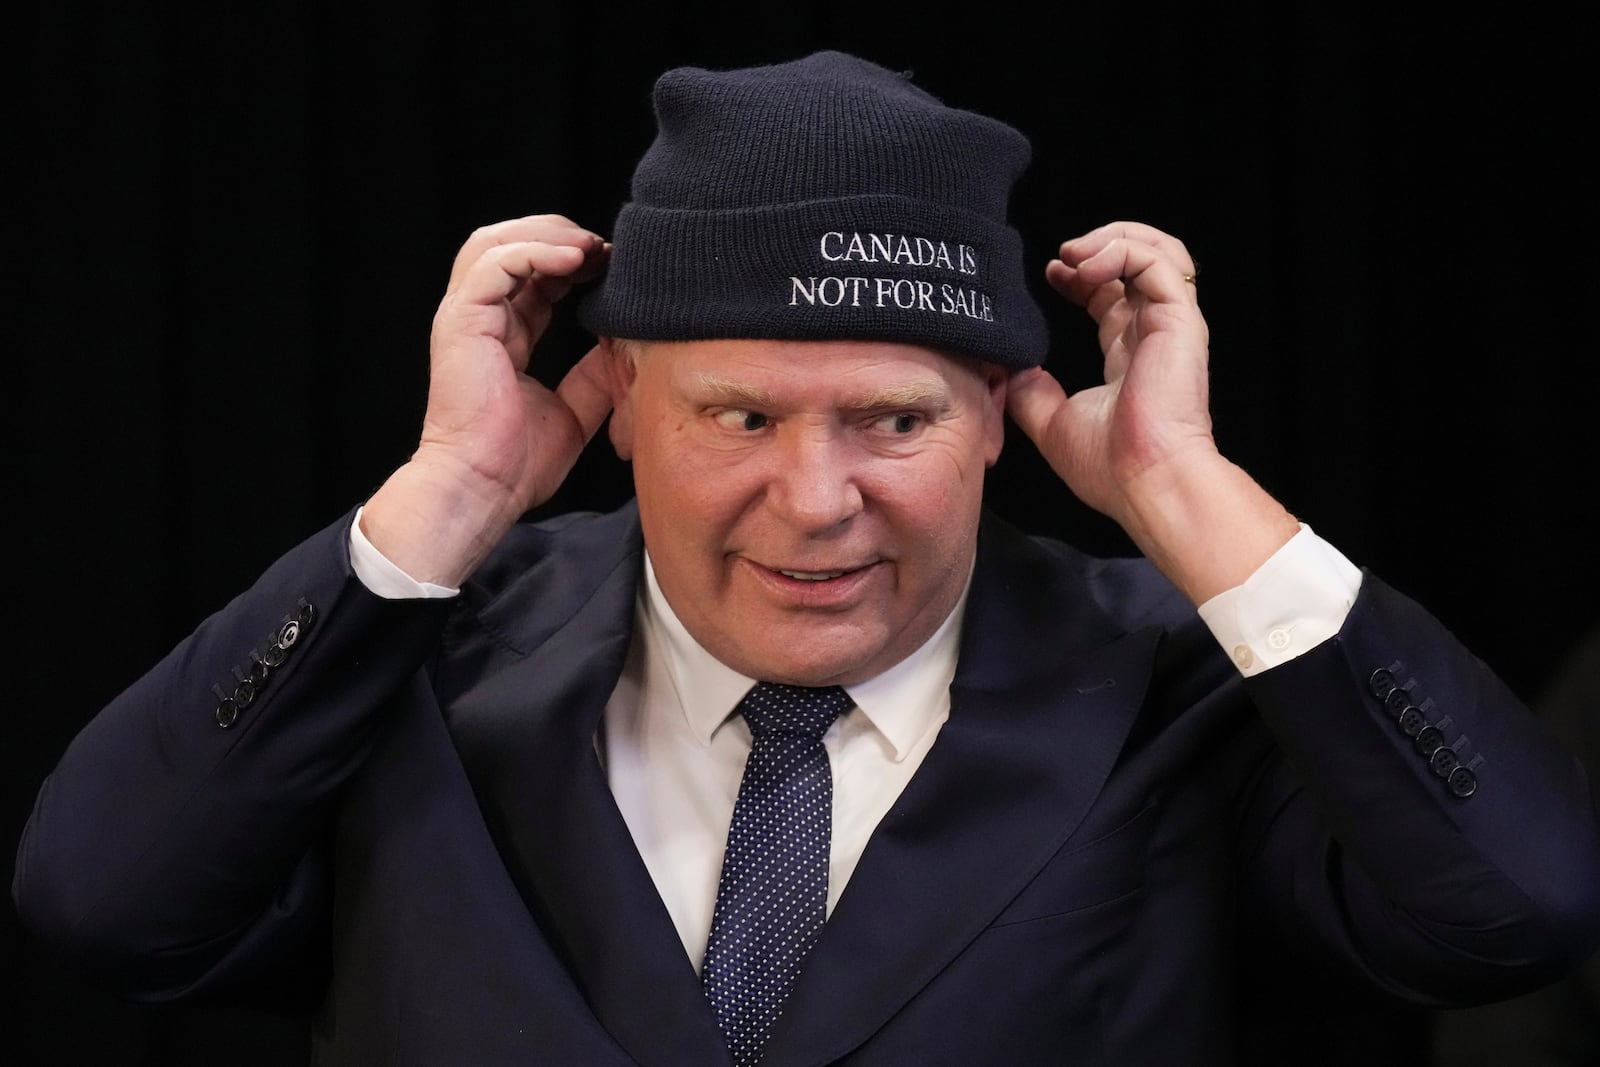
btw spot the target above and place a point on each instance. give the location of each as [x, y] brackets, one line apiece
[811, 576]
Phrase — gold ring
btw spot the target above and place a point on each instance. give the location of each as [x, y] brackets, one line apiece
[1189, 278]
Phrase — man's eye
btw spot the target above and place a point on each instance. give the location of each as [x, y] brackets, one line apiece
[736, 419]
[901, 422]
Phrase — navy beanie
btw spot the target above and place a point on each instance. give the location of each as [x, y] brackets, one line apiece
[823, 198]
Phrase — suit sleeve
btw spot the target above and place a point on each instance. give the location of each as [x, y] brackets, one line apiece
[1425, 826]
[173, 846]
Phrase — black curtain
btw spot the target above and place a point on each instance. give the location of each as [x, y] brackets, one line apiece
[232, 224]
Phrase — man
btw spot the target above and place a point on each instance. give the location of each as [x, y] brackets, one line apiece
[500, 778]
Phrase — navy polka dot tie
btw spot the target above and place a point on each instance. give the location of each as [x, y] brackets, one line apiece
[773, 894]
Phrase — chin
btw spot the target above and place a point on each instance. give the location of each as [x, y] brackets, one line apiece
[824, 666]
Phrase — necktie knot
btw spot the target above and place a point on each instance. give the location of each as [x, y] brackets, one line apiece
[802, 711]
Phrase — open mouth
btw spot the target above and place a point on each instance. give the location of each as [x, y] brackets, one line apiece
[812, 576]
[818, 587]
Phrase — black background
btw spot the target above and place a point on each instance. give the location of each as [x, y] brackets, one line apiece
[232, 224]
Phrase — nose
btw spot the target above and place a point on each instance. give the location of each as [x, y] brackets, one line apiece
[815, 486]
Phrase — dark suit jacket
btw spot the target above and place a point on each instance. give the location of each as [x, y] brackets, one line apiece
[1110, 827]
[1558, 1025]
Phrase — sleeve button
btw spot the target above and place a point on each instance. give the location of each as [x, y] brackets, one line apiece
[1412, 721]
[227, 713]
[1429, 740]
[1462, 782]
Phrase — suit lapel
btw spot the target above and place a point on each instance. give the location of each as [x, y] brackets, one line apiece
[526, 736]
[1045, 692]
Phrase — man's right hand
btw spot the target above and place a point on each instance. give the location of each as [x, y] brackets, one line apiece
[495, 441]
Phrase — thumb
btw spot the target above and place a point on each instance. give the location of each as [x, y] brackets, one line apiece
[1033, 399]
[586, 390]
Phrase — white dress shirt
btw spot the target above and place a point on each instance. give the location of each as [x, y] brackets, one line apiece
[674, 752]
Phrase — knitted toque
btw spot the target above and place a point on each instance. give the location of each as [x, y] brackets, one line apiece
[827, 197]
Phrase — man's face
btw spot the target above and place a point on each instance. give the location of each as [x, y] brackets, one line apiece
[810, 508]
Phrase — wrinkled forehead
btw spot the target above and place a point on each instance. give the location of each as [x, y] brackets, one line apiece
[761, 370]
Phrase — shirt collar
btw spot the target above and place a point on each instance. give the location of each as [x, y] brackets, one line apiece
[902, 703]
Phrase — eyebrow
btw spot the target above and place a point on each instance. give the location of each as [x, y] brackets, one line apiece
[905, 394]
[729, 391]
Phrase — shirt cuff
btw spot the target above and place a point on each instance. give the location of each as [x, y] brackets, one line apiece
[382, 577]
[1294, 601]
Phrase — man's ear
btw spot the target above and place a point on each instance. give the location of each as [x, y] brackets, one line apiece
[622, 370]
[996, 379]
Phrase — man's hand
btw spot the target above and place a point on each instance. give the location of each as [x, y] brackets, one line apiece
[1139, 447]
[495, 442]
[1153, 407]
